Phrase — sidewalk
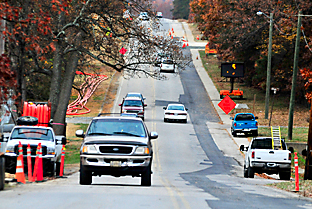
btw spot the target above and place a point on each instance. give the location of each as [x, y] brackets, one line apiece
[221, 133]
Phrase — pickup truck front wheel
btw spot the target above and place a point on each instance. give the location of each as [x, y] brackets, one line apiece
[146, 176]
[284, 175]
[85, 177]
[251, 173]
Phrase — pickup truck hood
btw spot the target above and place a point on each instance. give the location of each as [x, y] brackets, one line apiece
[267, 155]
[116, 140]
[14, 142]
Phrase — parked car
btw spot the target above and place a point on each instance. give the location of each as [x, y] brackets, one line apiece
[160, 57]
[136, 94]
[175, 112]
[167, 66]
[133, 105]
[159, 15]
[144, 16]
[262, 158]
[116, 146]
[244, 123]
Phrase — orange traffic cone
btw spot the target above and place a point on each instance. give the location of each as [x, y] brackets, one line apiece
[19, 175]
[30, 179]
[169, 33]
[187, 44]
[197, 57]
[62, 160]
[172, 29]
[38, 170]
[197, 37]
[183, 46]
[20, 151]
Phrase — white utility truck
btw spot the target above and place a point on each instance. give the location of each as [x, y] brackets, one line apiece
[264, 155]
[27, 132]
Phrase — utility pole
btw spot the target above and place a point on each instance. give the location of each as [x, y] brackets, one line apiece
[294, 80]
[268, 81]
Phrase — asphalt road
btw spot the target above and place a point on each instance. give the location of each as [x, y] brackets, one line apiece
[192, 168]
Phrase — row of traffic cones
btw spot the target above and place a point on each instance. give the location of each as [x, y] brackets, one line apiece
[37, 175]
[38, 168]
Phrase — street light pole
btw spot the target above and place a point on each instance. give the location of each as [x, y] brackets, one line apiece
[268, 81]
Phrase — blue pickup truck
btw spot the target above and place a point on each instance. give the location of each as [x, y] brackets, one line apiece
[244, 123]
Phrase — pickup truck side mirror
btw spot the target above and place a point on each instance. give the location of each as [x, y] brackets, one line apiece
[64, 140]
[61, 140]
[256, 117]
[119, 105]
[79, 133]
[186, 109]
[243, 148]
[304, 152]
[145, 105]
[164, 108]
[291, 149]
[153, 135]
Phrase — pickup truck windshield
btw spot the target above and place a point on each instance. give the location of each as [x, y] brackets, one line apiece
[32, 134]
[244, 117]
[117, 127]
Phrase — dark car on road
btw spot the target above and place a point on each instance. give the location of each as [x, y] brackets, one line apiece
[133, 105]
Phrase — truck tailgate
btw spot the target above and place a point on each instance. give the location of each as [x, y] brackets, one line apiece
[266, 155]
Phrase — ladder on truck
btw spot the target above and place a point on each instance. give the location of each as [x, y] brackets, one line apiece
[276, 137]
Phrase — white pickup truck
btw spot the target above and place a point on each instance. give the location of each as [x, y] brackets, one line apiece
[260, 157]
[33, 135]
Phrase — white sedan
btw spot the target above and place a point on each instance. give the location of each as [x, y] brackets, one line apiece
[175, 112]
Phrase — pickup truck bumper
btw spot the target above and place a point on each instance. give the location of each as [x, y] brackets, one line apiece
[270, 168]
[243, 130]
[115, 165]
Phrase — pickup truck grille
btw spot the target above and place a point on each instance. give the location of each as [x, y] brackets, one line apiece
[115, 149]
[33, 149]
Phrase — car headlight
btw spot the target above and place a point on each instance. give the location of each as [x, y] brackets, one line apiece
[10, 149]
[142, 151]
[89, 149]
[51, 151]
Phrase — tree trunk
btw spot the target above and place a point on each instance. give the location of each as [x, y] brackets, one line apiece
[56, 78]
[59, 125]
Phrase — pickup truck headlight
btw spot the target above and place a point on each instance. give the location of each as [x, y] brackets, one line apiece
[142, 151]
[89, 149]
[50, 151]
[9, 149]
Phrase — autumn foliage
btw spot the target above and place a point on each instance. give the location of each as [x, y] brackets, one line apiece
[239, 34]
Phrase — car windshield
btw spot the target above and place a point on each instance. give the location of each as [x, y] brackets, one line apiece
[136, 103]
[168, 62]
[32, 134]
[133, 95]
[126, 127]
[244, 117]
[171, 107]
